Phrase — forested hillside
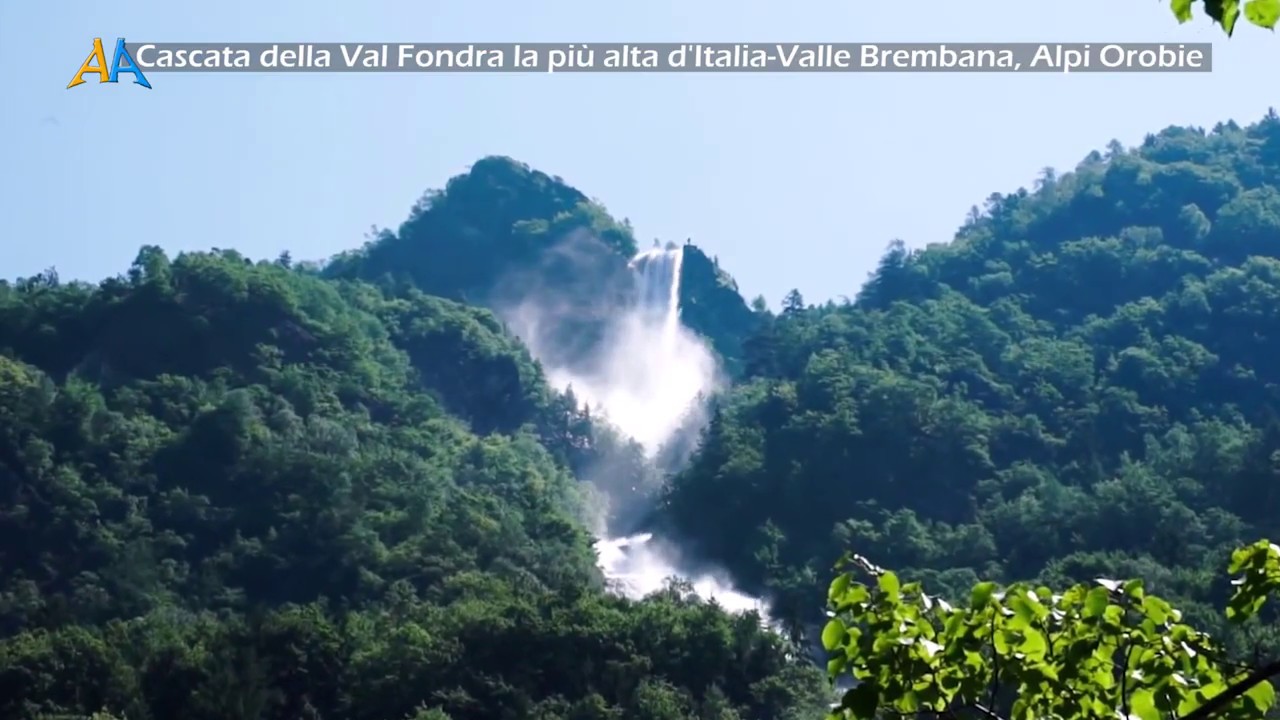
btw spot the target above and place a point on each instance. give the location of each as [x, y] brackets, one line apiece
[504, 233]
[1082, 384]
[247, 489]
[234, 489]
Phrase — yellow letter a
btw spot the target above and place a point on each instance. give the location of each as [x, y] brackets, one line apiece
[87, 68]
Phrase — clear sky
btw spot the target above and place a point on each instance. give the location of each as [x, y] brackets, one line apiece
[792, 180]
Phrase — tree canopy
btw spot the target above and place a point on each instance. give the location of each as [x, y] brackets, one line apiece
[236, 489]
[1080, 385]
[276, 489]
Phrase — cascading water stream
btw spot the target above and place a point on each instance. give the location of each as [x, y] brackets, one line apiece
[650, 369]
[658, 274]
[645, 377]
[634, 570]
[667, 368]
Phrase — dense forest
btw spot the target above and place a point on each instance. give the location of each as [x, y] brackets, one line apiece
[239, 488]
[235, 489]
[1081, 384]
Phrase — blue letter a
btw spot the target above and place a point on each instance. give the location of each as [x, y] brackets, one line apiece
[117, 67]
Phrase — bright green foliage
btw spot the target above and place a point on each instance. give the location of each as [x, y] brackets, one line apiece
[1259, 568]
[1100, 650]
[1263, 13]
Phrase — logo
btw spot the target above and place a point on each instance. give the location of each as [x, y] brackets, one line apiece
[121, 62]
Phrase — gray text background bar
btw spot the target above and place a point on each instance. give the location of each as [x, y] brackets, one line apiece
[672, 57]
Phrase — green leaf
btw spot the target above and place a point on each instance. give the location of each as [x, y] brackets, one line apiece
[1230, 12]
[834, 666]
[1114, 615]
[1026, 609]
[862, 701]
[1263, 13]
[855, 594]
[832, 634]
[1244, 605]
[1201, 696]
[981, 596]
[838, 587]
[1262, 695]
[1033, 644]
[1142, 703]
[1102, 677]
[1133, 588]
[1181, 10]
[1156, 609]
[1240, 558]
[1096, 602]
[889, 584]
[1000, 642]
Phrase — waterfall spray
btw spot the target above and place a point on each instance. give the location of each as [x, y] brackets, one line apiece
[679, 367]
[645, 378]
[651, 369]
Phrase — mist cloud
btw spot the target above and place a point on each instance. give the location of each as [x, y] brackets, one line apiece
[622, 350]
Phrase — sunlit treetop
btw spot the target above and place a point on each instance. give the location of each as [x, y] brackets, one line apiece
[1106, 650]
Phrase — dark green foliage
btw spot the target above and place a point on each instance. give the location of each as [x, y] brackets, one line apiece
[502, 234]
[1084, 383]
[235, 489]
[711, 305]
[497, 219]
[476, 647]
[238, 490]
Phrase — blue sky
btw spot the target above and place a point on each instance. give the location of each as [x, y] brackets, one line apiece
[792, 180]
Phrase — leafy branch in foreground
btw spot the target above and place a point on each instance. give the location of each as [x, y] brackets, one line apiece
[1094, 651]
[1263, 13]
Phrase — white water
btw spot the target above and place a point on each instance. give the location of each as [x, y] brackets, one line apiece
[652, 368]
[635, 569]
[647, 378]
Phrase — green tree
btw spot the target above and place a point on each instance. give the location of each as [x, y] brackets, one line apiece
[1102, 650]
[1078, 385]
[248, 489]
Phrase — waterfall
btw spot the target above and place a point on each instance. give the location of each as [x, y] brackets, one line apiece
[644, 377]
[658, 279]
[634, 568]
[662, 369]
[650, 369]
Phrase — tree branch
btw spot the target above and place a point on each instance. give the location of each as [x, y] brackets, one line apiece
[1223, 699]
[989, 713]
[995, 666]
